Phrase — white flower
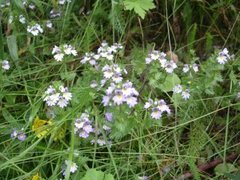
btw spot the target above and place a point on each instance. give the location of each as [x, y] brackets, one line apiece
[169, 66]
[186, 94]
[223, 56]
[22, 19]
[49, 24]
[177, 89]
[162, 106]
[5, 65]
[148, 104]
[60, 96]
[195, 67]
[186, 68]
[156, 113]
[62, 2]
[131, 101]
[222, 59]
[62, 102]
[118, 98]
[67, 96]
[58, 57]
[35, 29]
[73, 167]
[60, 52]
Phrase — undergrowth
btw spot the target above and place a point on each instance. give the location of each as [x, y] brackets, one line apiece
[120, 89]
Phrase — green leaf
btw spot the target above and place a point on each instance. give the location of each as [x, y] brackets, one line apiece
[12, 47]
[140, 7]
[68, 76]
[169, 83]
[93, 174]
[224, 168]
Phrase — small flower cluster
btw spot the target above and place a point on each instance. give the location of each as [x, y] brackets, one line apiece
[60, 97]
[187, 67]
[179, 89]
[223, 56]
[73, 167]
[113, 72]
[34, 29]
[100, 140]
[158, 108]
[83, 126]
[5, 65]
[168, 65]
[20, 135]
[104, 51]
[60, 52]
[121, 93]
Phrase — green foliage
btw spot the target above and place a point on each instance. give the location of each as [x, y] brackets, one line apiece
[133, 144]
[140, 7]
[169, 83]
[12, 47]
[93, 174]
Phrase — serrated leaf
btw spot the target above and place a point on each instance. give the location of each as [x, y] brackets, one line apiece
[140, 7]
[169, 83]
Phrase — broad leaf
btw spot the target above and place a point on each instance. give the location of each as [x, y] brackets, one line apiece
[140, 7]
[169, 83]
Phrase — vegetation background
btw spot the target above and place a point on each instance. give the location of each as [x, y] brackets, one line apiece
[203, 129]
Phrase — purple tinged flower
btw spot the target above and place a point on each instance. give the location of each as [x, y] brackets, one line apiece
[55, 13]
[148, 104]
[106, 128]
[117, 78]
[62, 102]
[101, 141]
[131, 101]
[162, 106]
[108, 116]
[177, 89]
[169, 66]
[21, 136]
[156, 113]
[195, 67]
[5, 65]
[186, 68]
[158, 107]
[186, 94]
[83, 126]
[143, 178]
[223, 56]
[106, 100]
[110, 89]
[14, 133]
[118, 98]
[148, 60]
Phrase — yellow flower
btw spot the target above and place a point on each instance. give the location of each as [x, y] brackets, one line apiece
[36, 177]
[41, 127]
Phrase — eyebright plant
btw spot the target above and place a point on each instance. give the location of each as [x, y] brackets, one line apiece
[73, 106]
